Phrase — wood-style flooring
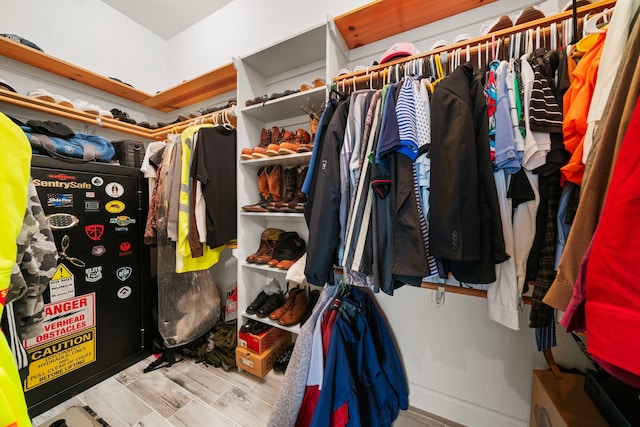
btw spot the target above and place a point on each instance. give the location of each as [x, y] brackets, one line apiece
[191, 394]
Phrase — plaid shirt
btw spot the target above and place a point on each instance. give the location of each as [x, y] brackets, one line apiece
[541, 313]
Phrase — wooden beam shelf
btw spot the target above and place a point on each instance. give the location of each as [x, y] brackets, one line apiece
[216, 82]
[384, 18]
[213, 83]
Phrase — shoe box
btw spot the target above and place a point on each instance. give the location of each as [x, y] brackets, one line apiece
[263, 341]
[562, 402]
[260, 364]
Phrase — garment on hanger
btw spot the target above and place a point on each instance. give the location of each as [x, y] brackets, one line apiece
[214, 167]
[607, 139]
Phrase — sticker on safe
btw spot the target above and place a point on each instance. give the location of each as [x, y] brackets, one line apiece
[123, 273]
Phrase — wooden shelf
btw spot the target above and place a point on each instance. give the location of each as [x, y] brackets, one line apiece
[295, 329]
[46, 62]
[283, 160]
[215, 82]
[384, 18]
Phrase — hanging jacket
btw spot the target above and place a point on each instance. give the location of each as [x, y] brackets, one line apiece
[14, 178]
[323, 203]
[465, 226]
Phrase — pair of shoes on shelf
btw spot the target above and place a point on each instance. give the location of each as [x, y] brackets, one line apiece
[272, 180]
[276, 141]
[122, 116]
[301, 143]
[293, 308]
[282, 361]
[318, 82]
[278, 248]
[527, 14]
[269, 299]
[294, 200]
[45, 95]
[254, 327]
[289, 248]
[257, 100]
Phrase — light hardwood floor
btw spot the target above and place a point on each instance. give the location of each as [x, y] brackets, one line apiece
[191, 394]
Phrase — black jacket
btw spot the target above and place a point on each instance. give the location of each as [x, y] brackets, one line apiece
[465, 228]
[323, 203]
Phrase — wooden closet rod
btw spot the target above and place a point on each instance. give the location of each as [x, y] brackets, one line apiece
[363, 76]
[71, 113]
[215, 117]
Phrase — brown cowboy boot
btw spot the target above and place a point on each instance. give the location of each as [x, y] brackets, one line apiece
[264, 246]
[290, 178]
[274, 179]
[271, 239]
[263, 189]
[296, 204]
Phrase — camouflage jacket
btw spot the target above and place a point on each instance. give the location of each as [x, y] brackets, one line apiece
[35, 265]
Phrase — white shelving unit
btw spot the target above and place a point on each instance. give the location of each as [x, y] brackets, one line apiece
[304, 57]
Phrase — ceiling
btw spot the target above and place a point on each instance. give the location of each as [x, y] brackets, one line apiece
[166, 18]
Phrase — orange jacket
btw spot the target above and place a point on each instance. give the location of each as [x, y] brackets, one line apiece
[576, 107]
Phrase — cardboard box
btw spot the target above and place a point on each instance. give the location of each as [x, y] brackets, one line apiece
[260, 364]
[231, 303]
[562, 402]
[261, 342]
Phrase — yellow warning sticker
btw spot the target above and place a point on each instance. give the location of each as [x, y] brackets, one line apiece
[62, 272]
[60, 357]
[61, 285]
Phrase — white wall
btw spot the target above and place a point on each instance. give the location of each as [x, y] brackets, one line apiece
[92, 35]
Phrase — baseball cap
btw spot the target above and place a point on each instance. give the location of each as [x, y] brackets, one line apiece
[398, 50]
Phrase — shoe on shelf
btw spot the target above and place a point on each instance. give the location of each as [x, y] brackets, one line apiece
[296, 311]
[247, 328]
[291, 147]
[268, 234]
[270, 289]
[319, 82]
[289, 178]
[87, 107]
[282, 361]
[280, 311]
[122, 116]
[59, 99]
[286, 137]
[314, 295]
[260, 152]
[290, 246]
[265, 139]
[263, 189]
[259, 327]
[41, 94]
[299, 200]
[273, 302]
